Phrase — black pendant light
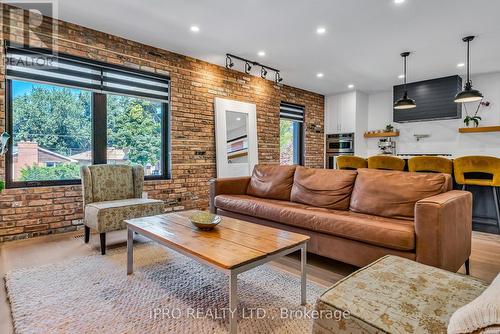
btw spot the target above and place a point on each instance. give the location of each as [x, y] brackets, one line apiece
[405, 102]
[468, 94]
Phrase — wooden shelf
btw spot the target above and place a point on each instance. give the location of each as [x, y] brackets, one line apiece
[382, 134]
[480, 129]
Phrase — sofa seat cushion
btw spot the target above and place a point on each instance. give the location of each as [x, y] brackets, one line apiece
[323, 188]
[395, 295]
[110, 215]
[271, 181]
[386, 232]
[393, 194]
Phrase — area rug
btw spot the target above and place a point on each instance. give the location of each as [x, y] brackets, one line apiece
[167, 293]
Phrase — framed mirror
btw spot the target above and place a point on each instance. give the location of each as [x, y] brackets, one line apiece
[236, 137]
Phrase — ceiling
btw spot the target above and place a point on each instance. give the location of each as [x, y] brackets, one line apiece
[361, 45]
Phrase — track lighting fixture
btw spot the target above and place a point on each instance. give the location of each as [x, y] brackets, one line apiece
[248, 68]
[264, 69]
[263, 72]
[278, 78]
[229, 62]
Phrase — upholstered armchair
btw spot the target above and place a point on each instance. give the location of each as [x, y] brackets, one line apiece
[111, 194]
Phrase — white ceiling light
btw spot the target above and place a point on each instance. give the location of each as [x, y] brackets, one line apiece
[399, 1]
[351, 86]
[261, 53]
[238, 118]
[320, 30]
[195, 29]
[320, 75]
[460, 64]
[401, 76]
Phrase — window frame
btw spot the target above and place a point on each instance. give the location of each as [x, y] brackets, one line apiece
[301, 132]
[99, 142]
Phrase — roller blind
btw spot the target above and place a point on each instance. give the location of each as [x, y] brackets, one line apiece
[41, 66]
[292, 111]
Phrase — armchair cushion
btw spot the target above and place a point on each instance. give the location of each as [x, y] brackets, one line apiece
[110, 215]
[111, 183]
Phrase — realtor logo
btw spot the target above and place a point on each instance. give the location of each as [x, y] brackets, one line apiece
[30, 23]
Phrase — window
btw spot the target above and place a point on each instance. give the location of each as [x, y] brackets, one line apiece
[134, 128]
[50, 125]
[291, 134]
[79, 112]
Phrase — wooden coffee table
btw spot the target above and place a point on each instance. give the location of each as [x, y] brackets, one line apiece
[233, 247]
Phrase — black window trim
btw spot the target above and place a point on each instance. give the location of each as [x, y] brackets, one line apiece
[101, 143]
[302, 129]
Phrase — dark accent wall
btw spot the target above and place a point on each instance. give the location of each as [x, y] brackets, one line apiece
[434, 100]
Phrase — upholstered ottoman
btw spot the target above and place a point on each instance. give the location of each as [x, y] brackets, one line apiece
[396, 295]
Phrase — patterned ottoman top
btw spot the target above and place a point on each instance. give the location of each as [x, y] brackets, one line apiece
[397, 295]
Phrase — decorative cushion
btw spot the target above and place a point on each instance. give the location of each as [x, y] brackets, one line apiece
[110, 215]
[394, 193]
[111, 182]
[323, 188]
[481, 313]
[270, 181]
[395, 295]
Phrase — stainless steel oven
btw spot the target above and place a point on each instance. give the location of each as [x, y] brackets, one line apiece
[340, 143]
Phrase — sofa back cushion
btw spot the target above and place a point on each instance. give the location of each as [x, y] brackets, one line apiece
[271, 181]
[323, 188]
[393, 194]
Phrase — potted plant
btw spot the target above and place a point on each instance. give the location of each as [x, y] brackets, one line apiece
[474, 119]
[389, 128]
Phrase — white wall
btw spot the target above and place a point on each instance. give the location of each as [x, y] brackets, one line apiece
[444, 135]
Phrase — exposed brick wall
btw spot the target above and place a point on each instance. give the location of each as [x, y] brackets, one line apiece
[194, 85]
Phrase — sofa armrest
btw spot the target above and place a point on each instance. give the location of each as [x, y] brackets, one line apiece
[227, 186]
[443, 228]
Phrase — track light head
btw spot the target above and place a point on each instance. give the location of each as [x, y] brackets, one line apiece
[229, 62]
[248, 68]
[263, 72]
[278, 78]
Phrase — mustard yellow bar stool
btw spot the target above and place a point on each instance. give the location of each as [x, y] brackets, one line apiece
[430, 165]
[386, 162]
[351, 162]
[479, 171]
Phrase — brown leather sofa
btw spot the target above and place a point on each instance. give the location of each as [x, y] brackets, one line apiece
[356, 216]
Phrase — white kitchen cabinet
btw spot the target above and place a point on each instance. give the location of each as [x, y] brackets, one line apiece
[348, 113]
[340, 113]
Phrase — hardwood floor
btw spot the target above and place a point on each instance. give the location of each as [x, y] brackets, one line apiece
[485, 260]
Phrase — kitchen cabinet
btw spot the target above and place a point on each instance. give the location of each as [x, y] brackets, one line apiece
[340, 113]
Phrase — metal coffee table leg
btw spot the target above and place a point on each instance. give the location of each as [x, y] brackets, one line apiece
[130, 251]
[233, 302]
[303, 275]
